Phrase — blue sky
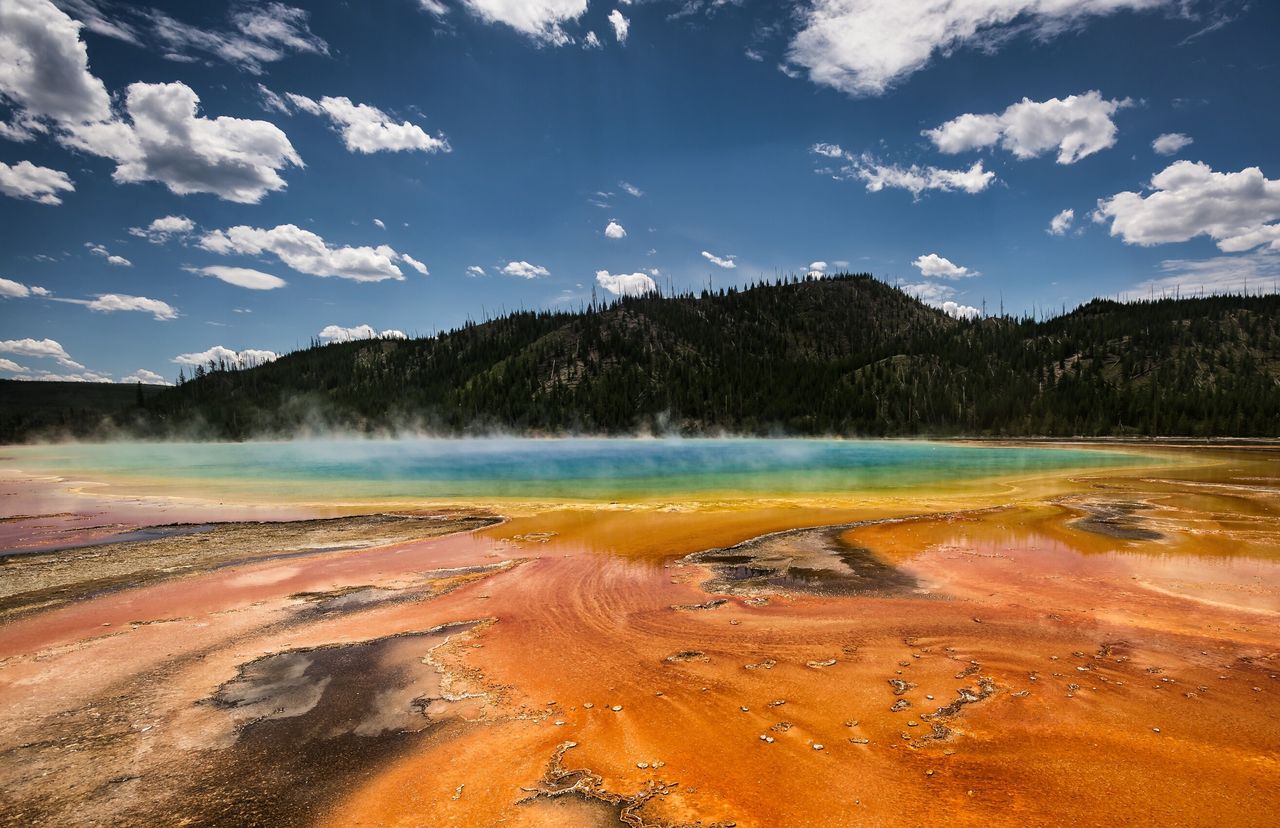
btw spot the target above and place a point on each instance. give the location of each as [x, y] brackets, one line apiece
[497, 141]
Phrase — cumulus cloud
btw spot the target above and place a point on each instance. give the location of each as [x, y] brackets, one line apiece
[475, 270]
[726, 262]
[816, 269]
[1171, 143]
[337, 333]
[934, 266]
[39, 184]
[542, 20]
[307, 252]
[40, 348]
[244, 277]
[168, 141]
[592, 41]
[524, 270]
[621, 25]
[863, 47]
[626, 284]
[158, 135]
[44, 69]
[13, 367]
[379, 224]
[367, 129]
[1238, 210]
[164, 228]
[112, 259]
[146, 377]
[1061, 223]
[613, 230]
[941, 297]
[10, 289]
[248, 358]
[1076, 126]
[915, 179]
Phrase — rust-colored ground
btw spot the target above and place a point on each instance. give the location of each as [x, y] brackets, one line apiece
[1102, 650]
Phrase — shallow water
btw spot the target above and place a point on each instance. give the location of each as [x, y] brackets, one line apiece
[570, 469]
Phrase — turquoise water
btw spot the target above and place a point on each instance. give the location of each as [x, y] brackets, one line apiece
[592, 469]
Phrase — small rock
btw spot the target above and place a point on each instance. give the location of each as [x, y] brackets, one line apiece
[818, 746]
[642, 765]
[587, 705]
[559, 722]
[616, 708]
[1155, 730]
[744, 709]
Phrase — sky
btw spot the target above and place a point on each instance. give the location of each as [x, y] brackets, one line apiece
[188, 181]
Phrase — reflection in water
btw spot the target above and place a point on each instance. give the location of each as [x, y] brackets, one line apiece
[1021, 558]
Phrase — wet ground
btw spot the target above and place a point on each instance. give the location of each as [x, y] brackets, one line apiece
[1101, 649]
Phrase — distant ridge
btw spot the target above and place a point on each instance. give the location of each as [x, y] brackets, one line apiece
[848, 355]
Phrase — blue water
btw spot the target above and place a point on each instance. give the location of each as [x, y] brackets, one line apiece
[593, 469]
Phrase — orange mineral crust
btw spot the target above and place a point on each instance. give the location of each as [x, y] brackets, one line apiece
[1102, 650]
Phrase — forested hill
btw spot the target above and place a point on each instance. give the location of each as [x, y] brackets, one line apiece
[847, 355]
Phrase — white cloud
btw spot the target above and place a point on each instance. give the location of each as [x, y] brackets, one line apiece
[613, 230]
[631, 189]
[625, 284]
[378, 223]
[1189, 199]
[146, 377]
[934, 266]
[168, 141]
[82, 376]
[592, 41]
[726, 262]
[13, 367]
[38, 184]
[915, 179]
[247, 358]
[336, 333]
[164, 228]
[44, 69]
[244, 277]
[10, 289]
[112, 259]
[414, 263]
[524, 270]
[1253, 273]
[435, 7]
[1061, 223]
[1077, 126]
[941, 297]
[307, 252]
[542, 20]
[40, 348]
[45, 80]
[112, 302]
[260, 33]
[367, 129]
[621, 25]
[1171, 143]
[817, 269]
[475, 270]
[862, 47]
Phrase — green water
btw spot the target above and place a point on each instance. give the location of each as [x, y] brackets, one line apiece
[571, 469]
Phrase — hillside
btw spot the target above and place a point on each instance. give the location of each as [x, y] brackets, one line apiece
[848, 355]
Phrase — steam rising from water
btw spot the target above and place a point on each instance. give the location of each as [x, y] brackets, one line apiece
[591, 469]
